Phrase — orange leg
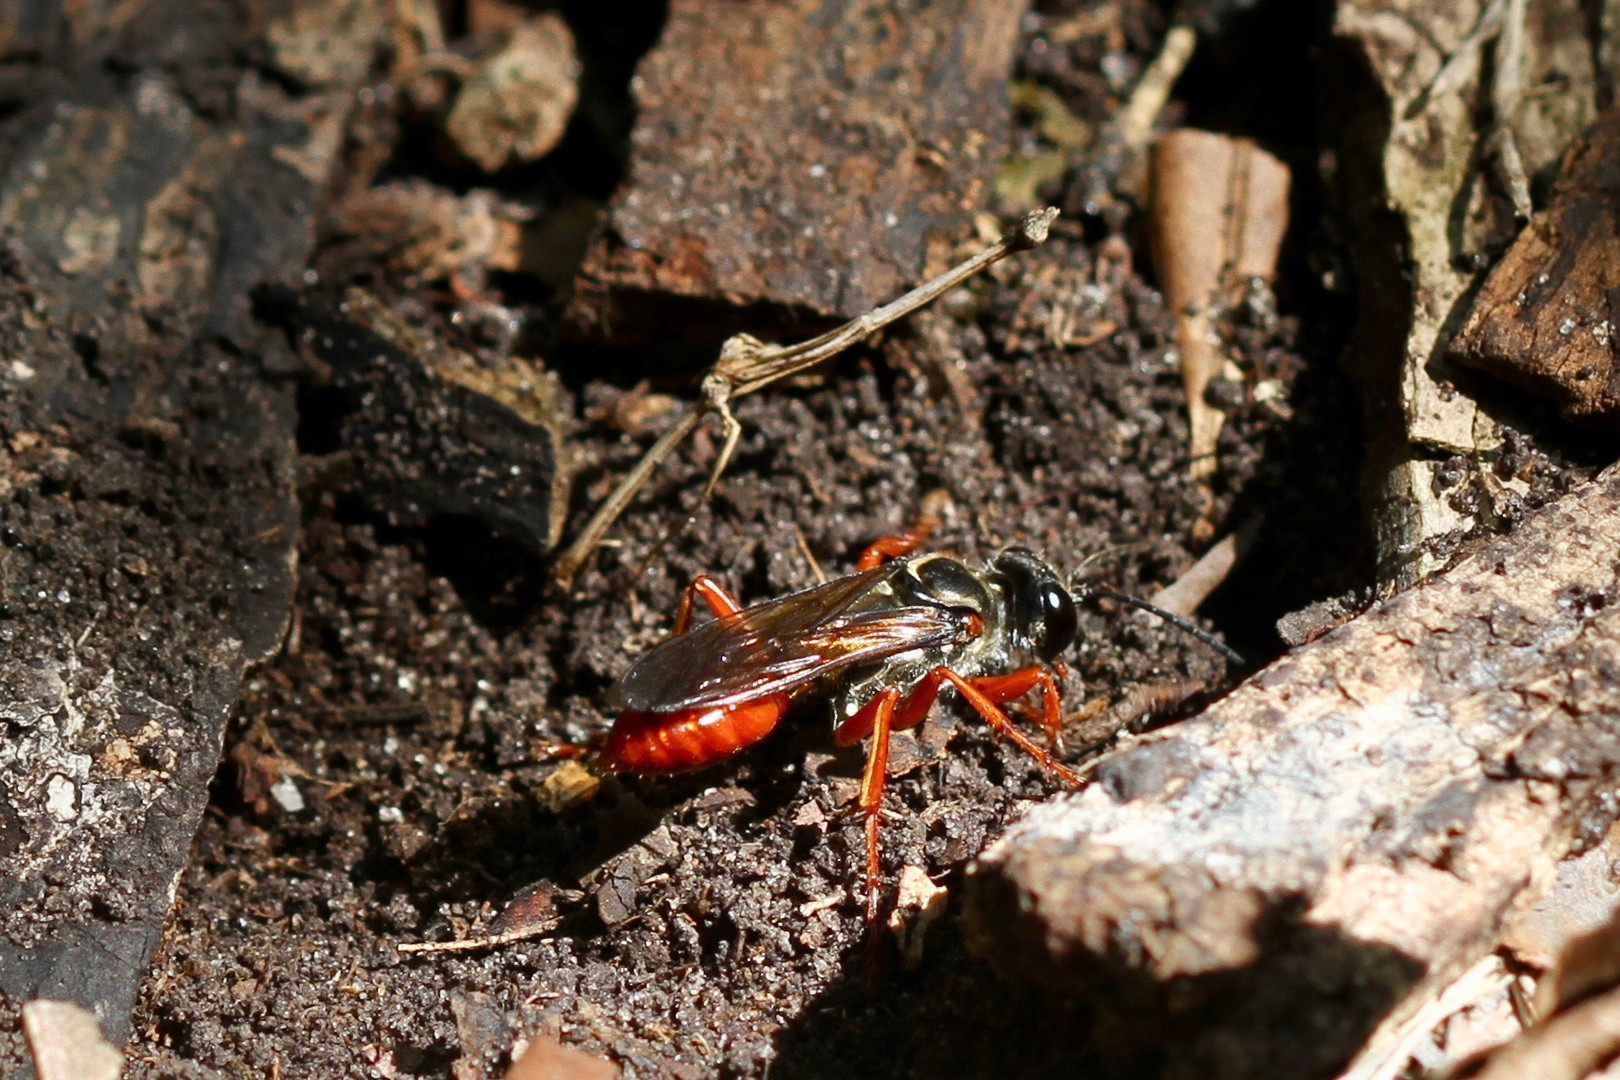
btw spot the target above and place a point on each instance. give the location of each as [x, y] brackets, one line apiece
[889, 547]
[885, 714]
[875, 716]
[986, 707]
[999, 689]
[1004, 688]
[715, 598]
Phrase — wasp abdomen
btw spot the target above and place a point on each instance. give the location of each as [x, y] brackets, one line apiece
[666, 742]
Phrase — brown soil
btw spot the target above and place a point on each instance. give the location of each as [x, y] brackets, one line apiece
[706, 921]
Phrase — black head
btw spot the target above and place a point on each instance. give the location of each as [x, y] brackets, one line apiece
[1040, 610]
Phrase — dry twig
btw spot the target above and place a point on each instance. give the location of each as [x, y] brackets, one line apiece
[747, 364]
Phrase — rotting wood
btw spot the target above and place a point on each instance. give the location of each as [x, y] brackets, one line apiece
[818, 156]
[1352, 827]
[146, 474]
[429, 430]
[1545, 317]
[1422, 208]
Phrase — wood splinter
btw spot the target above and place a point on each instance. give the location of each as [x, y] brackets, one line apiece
[747, 364]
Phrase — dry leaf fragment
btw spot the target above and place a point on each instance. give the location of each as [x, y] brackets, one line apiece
[517, 105]
[1545, 317]
[1218, 211]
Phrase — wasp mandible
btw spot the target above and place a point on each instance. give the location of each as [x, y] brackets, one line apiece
[878, 643]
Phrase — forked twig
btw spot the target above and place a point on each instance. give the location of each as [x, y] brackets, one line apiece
[747, 364]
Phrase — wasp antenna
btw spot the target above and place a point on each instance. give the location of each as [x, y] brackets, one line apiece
[1180, 622]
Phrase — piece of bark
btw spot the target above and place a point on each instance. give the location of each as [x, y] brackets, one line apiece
[1573, 933]
[1419, 206]
[1349, 829]
[482, 1032]
[819, 156]
[1218, 213]
[1567, 1047]
[430, 431]
[1585, 962]
[1472, 1014]
[146, 475]
[1548, 315]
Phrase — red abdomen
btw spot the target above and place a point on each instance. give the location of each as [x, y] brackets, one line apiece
[666, 742]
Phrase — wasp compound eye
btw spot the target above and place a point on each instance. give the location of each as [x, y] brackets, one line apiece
[1058, 620]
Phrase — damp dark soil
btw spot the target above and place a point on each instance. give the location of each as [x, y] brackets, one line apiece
[385, 777]
[708, 920]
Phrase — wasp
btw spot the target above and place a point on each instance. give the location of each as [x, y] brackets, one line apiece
[879, 644]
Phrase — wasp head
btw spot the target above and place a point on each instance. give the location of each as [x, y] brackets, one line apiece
[1040, 611]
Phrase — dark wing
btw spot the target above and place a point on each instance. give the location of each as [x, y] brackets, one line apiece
[780, 645]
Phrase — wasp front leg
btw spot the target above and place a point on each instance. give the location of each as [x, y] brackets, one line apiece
[1000, 689]
[983, 701]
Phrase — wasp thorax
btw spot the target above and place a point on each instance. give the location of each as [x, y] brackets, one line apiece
[1040, 611]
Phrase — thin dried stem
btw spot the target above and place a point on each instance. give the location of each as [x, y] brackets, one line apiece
[747, 364]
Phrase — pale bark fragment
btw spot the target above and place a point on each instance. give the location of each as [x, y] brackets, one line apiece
[1421, 207]
[1351, 828]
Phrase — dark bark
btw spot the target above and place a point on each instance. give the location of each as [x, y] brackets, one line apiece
[147, 511]
[821, 157]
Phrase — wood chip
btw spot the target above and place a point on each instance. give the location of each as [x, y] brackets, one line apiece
[1546, 318]
[66, 1043]
[569, 785]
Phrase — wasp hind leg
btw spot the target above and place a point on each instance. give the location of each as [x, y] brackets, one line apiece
[714, 597]
[889, 547]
